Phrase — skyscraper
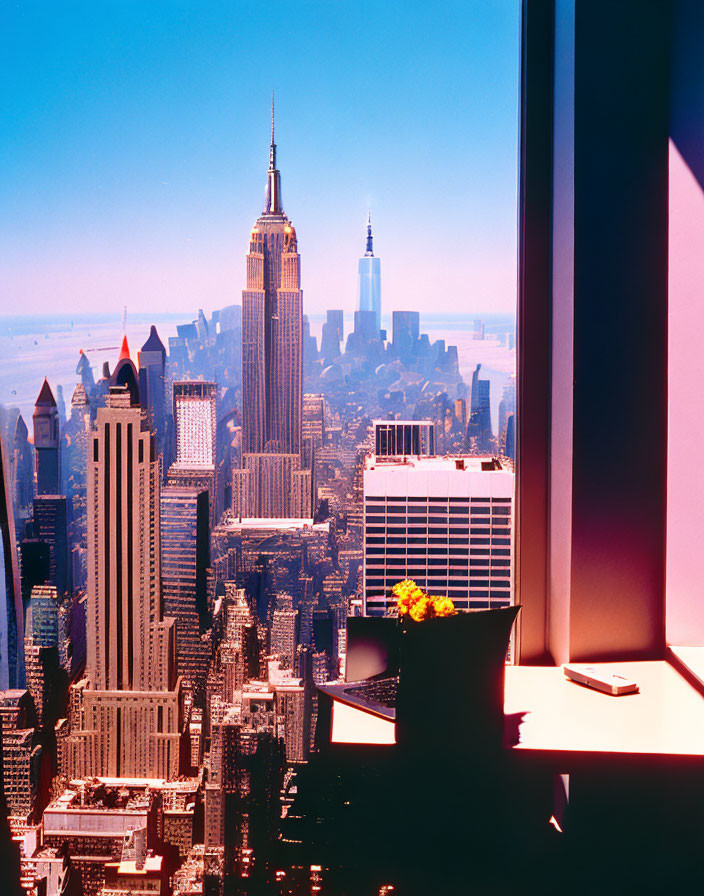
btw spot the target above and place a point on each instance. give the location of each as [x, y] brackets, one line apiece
[184, 579]
[272, 354]
[283, 636]
[11, 613]
[332, 335]
[152, 388]
[50, 506]
[195, 416]
[46, 442]
[444, 522]
[129, 720]
[405, 332]
[41, 650]
[479, 434]
[272, 328]
[396, 438]
[272, 486]
[313, 428]
[21, 473]
[369, 279]
[50, 527]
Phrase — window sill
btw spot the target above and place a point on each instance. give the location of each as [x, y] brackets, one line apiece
[689, 662]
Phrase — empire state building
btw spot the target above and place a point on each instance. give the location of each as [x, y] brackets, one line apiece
[272, 482]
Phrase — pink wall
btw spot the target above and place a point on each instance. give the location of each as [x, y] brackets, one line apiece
[685, 482]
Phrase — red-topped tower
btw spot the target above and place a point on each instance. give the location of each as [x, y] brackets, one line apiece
[126, 716]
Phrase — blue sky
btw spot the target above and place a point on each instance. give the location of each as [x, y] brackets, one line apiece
[134, 148]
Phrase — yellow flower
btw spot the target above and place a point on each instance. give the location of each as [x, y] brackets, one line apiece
[407, 593]
[406, 589]
[421, 609]
[443, 606]
[414, 602]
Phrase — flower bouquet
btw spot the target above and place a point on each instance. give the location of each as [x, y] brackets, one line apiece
[413, 602]
[451, 673]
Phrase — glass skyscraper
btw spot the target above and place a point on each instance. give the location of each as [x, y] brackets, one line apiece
[369, 271]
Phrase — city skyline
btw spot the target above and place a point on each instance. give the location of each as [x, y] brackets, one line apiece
[190, 525]
[128, 178]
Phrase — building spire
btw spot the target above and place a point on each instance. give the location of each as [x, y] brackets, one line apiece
[272, 147]
[273, 184]
[370, 245]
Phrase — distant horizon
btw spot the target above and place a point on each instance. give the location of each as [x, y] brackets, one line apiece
[23, 323]
[33, 346]
[139, 315]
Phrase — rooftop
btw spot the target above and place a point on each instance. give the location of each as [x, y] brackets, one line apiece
[403, 422]
[275, 523]
[433, 463]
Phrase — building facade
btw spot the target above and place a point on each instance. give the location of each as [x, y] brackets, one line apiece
[128, 713]
[152, 389]
[11, 611]
[46, 442]
[444, 522]
[272, 344]
[396, 438]
[272, 486]
[195, 419]
[185, 558]
[369, 279]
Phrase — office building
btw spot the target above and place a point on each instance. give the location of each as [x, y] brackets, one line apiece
[51, 528]
[332, 335]
[272, 362]
[152, 390]
[365, 330]
[272, 486]
[397, 438]
[41, 652]
[34, 564]
[75, 454]
[11, 611]
[127, 720]
[185, 558]
[272, 321]
[444, 522]
[21, 472]
[405, 330]
[510, 442]
[369, 279]
[79, 822]
[244, 797]
[479, 433]
[195, 422]
[313, 424]
[284, 627]
[238, 652]
[136, 873]
[195, 414]
[21, 753]
[46, 442]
